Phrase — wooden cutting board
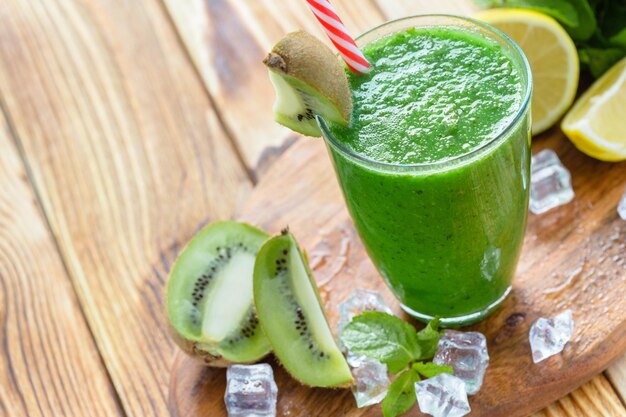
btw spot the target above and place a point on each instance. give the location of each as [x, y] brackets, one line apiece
[574, 257]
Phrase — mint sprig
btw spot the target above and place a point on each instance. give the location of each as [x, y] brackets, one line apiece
[383, 337]
[430, 369]
[428, 339]
[401, 394]
[395, 343]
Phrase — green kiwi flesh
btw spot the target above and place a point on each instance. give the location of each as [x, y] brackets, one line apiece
[308, 80]
[210, 295]
[291, 314]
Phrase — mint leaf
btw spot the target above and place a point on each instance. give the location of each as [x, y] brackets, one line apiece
[612, 24]
[383, 337]
[587, 22]
[619, 39]
[576, 16]
[561, 10]
[401, 394]
[430, 369]
[428, 339]
[598, 60]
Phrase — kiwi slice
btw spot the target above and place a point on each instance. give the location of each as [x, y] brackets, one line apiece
[308, 80]
[209, 295]
[291, 314]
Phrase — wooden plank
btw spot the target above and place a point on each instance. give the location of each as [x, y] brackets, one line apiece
[596, 398]
[617, 376]
[46, 349]
[300, 191]
[394, 9]
[228, 39]
[129, 160]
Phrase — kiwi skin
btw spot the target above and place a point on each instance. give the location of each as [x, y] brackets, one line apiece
[304, 57]
[195, 349]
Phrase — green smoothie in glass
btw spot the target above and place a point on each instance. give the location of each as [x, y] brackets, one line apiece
[434, 164]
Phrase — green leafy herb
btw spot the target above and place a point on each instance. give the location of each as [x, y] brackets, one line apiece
[427, 340]
[395, 343]
[561, 10]
[576, 16]
[598, 27]
[598, 60]
[383, 337]
[619, 39]
[401, 394]
[430, 369]
[587, 22]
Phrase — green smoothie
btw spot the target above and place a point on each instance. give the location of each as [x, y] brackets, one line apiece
[434, 167]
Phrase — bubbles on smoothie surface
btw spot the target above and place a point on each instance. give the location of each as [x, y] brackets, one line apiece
[432, 94]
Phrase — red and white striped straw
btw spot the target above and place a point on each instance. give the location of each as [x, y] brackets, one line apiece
[338, 35]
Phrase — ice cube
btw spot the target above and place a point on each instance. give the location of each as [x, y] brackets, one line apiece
[371, 380]
[359, 301]
[466, 353]
[370, 375]
[250, 391]
[550, 182]
[442, 396]
[621, 206]
[549, 336]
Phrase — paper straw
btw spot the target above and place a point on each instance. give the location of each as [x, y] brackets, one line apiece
[338, 35]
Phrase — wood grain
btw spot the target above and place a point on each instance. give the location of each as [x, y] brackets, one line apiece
[228, 39]
[595, 398]
[46, 349]
[617, 376]
[394, 9]
[129, 159]
[586, 235]
[261, 23]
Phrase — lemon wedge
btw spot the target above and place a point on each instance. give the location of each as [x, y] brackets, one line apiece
[552, 56]
[596, 123]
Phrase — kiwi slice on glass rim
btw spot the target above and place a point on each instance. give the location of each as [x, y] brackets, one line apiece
[308, 80]
[292, 316]
[210, 306]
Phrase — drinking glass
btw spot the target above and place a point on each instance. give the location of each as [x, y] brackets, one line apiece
[445, 236]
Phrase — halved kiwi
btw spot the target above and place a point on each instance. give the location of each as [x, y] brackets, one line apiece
[308, 79]
[209, 295]
[291, 314]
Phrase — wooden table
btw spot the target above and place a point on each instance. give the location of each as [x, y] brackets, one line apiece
[126, 126]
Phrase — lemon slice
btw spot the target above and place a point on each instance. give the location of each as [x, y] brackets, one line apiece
[552, 56]
[596, 122]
